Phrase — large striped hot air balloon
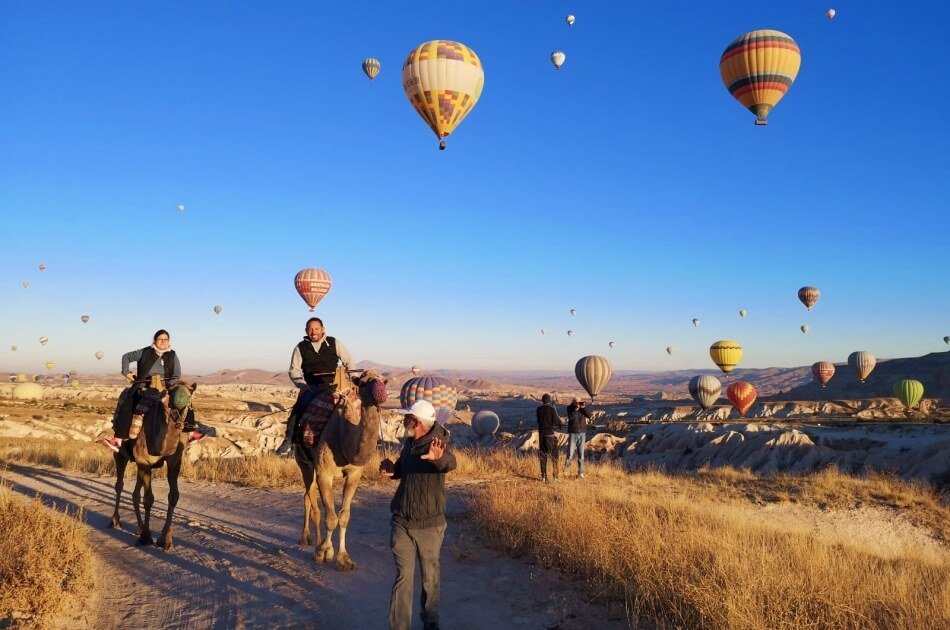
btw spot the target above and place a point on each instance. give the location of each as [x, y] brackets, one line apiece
[809, 296]
[312, 285]
[439, 391]
[862, 363]
[371, 67]
[443, 81]
[742, 396]
[823, 371]
[726, 354]
[909, 392]
[592, 373]
[705, 390]
[758, 68]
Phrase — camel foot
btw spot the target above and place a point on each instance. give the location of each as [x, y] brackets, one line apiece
[322, 556]
[114, 523]
[145, 539]
[165, 542]
[343, 562]
[305, 539]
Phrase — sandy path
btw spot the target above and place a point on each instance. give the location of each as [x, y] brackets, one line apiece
[236, 564]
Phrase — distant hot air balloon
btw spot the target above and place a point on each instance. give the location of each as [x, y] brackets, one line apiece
[217, 310]
[823, 371]
[909, 392]
[99, 355]
[416, 369]
[573, 312]
[73, 373]
[831, 14]
[592, 373]
[44, 341]
[946, 340]
[557, 58]
[570, 333]
[743, 313]
[862, 363]
[809, 296]
[612, 344]
[26, 285]
[669, 349]
[705, 390]
[726, 354]
[73, 383]
[742, 395]
[696, 323]
[439, 391]
[312, 285]
[758, 68]
[181, 208]
[49, 365]
[544, 332]
[804, 328]
[42, 267]
[13, 378]
[371, 67]
[570, 20]
[84, 319]
[13, 348]
[443, 80]
[485, 422]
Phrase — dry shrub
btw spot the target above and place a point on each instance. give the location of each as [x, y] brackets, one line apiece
[87, 457]
[45, 560]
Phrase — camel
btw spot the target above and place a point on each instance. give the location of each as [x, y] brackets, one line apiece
[344, 446]
[136, 450]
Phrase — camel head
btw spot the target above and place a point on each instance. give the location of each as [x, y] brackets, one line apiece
[372, 388]
[180, 396]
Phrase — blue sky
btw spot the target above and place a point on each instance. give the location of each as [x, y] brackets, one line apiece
[628, 185]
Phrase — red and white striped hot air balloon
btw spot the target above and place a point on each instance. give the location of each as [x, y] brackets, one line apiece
[823, 371]
[312, 285]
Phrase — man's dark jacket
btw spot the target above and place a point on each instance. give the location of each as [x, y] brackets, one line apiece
[419, 501]
[548, 419]
[577, 419]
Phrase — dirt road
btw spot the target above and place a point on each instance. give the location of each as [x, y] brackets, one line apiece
[236, 564]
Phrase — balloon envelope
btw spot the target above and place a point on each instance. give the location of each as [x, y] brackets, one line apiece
[592, 373]
[726, 354]
[416, 369]
[573, 312]
[85, 319]
[804, 328]
[49, 365]
[26, 285]
[612, 344]
[696, 322]
[42, 267]
[705, 390]
[439, 391]
[758, 68]
[544, 332]
[371, 67]
[181, 208]
[909, 392]
[831, 14]
[13, 348]
[809, 296]
[485, 422]
[99, 355]
[946, 340]
[862, 363]
[44, 341]
[823, 371]
[217, 310]
[570, 333]
[558, 58]
[743, 313]
[312, 285]
[742, 395]
[669, 349]
[570, 20]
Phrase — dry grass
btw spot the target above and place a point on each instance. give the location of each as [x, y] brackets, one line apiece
[45, 563]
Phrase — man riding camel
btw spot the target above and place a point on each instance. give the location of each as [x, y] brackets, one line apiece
[312, 367]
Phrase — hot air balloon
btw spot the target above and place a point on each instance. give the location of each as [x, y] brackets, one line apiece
[217, 310]
[592, 373]
[743, 313]
[485, 422]
[416, 369]
[804, 328]
[26, 285]
[909, 392]
[705, 390]
[741, 395]
[13, 348]
[21, 378]
[558, 58]
[42, 267]
[696, 323]
[99, 355]
[44, 341]
[831, 14]
[84, 319]
[49, 365]
[570, 20]
[570, 333]
[726, 354]
[438, 391]
[73, 383]
[573, 312]
[73, 373]
[371, 67]
[809, 296]
[13, 378]
[612, 344]
[862, 363]
[758, 68]
[823, 371]
[443, 81]
[544, 332]
[669, 349]
[312, 285]
[946, 340]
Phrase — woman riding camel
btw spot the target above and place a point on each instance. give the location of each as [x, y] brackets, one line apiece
[158, 360]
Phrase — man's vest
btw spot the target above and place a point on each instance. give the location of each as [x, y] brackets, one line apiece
[144, 365]
[322, 362]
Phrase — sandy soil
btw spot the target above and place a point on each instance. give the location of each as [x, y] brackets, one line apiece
[236, 564]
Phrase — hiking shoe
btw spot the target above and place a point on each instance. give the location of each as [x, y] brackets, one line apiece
[196, 436]
[112, 443]
[581, 475]
[557, 480]
[285, 447]
[544, 479]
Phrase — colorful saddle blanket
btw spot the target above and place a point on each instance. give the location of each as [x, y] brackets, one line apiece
[318, 413]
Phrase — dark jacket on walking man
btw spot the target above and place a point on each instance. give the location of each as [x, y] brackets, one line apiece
[547, 439]
[418, 508]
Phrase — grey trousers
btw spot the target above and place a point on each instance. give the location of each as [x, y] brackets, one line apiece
[407, 545]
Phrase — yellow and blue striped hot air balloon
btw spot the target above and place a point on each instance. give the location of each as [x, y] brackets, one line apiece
[443, 81]
[758, 68]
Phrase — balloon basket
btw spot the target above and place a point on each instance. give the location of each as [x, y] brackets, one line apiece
[442, 145]
[761, 122]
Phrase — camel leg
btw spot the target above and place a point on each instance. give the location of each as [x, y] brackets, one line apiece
[353, 475]
[137, 501]
[310, 507]
[324, 553]
[145, 479]
[173, 467]
[120, 463]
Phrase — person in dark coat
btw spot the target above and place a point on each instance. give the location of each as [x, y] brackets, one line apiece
[418, 508]
[547, 439]
[578, 417]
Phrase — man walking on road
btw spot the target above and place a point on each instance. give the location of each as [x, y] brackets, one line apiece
[577, 420]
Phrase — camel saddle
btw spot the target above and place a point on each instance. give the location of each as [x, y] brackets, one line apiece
[318, 413]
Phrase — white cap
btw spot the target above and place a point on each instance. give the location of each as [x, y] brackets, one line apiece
[421, 410]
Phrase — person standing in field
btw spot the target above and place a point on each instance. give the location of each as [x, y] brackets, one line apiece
[577, 420]
[316, 355]
[547, 439]
[418, 508]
